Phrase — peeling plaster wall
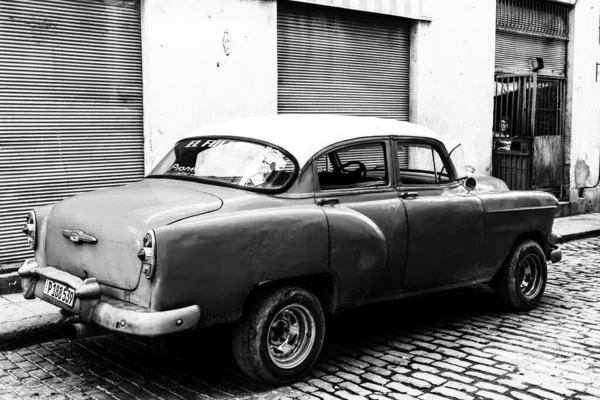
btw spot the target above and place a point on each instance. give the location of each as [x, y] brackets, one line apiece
[452, 75]
[190, 81]
[585, 109]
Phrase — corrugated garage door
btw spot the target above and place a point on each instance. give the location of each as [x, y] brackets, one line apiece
[513, 50]
[332, 60]
[70, 104]
[531, 28]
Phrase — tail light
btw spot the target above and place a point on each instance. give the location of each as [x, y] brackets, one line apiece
[30, 229]
[147, 254]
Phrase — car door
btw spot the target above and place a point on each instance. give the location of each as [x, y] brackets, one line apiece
[445, 222]
[367, 221]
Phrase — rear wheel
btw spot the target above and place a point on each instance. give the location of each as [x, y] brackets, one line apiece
[280, 337]
[522, 279]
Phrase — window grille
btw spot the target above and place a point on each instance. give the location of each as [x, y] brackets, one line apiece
[536, 17]
[512, 98]
[549, 112]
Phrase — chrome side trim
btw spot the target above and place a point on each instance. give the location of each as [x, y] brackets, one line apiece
[523, 209]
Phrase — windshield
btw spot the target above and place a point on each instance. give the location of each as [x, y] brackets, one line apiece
[458, 161]
[235, 162]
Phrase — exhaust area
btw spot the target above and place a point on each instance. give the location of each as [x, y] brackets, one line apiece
[82, 331]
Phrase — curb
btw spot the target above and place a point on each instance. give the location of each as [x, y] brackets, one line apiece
[581, 235]
[34, 330]
[10, 282]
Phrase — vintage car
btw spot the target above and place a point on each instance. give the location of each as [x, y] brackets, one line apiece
[273, 222]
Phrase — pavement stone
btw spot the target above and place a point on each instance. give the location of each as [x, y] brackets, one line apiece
[455, 345]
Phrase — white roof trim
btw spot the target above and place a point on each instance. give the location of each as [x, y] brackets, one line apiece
[303, 135]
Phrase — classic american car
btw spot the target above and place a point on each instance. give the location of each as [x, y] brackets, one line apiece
[270, 223]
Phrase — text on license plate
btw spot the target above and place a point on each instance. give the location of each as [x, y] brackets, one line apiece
[59, 292]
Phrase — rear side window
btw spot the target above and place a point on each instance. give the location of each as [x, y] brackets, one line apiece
[354, 166]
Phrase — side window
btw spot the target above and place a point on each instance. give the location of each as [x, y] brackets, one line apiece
[422, 164]
[355, 166]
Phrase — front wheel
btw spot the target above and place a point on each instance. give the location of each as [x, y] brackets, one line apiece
[280, 337]
[522, 279]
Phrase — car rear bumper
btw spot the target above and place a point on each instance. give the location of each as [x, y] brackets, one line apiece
[112, 314]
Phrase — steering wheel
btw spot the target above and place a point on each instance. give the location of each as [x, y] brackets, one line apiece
[362, 170]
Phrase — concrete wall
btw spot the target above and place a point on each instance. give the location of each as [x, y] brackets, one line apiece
[585, 106]
[452, 75]
[190, 81]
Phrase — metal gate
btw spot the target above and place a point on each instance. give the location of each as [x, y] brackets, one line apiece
[333, 60]
[530, 83]
[70, 104]
[535, 108]
[513, 100]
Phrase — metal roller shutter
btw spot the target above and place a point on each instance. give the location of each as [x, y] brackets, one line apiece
[513, 50]
[70, 105]
[531, 28]
[336, 61]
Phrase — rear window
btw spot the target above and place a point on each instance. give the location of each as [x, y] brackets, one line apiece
[233, 162]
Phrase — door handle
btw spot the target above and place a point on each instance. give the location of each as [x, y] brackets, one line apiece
[406, 195]
[328, 202]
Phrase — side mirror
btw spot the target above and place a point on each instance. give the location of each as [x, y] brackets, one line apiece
[470, 184]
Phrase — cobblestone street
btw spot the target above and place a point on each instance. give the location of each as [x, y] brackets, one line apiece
[454, 345]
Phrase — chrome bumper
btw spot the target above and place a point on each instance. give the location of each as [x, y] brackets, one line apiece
[555, 255]
[109, 313]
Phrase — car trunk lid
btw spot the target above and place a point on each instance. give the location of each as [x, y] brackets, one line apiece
[118, 219]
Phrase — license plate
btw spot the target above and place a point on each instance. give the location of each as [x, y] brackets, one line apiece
[59, 292]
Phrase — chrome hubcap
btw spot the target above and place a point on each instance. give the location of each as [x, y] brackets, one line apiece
[529, 276]
[291, 336]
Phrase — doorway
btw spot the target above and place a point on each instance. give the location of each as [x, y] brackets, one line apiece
[529, 154]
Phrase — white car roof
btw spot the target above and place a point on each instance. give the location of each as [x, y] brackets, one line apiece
[303, 135]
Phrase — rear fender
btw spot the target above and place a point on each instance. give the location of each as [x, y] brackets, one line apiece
[215, 262]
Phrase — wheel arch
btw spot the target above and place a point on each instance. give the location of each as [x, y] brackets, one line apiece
[539, 238]
[324, 286]
[520, 286]
[536, 236]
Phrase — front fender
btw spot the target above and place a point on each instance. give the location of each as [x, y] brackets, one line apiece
[358, 251]
[509, 215]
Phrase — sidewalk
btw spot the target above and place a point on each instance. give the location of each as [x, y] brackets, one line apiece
[30, 321]
[25, 322]
[577, 226]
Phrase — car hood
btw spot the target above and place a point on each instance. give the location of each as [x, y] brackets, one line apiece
[119, 218]
[486, 183]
